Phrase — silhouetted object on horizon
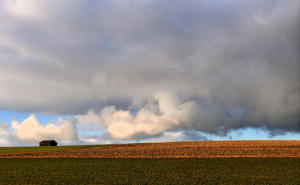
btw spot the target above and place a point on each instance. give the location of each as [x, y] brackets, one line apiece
[48, 143]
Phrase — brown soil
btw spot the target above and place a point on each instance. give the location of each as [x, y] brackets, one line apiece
[199, 149]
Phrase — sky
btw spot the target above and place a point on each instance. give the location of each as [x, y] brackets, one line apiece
[122, 71]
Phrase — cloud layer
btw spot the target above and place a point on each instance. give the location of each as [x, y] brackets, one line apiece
[143, 68]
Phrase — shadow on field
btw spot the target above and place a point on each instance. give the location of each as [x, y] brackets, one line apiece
[151, 171]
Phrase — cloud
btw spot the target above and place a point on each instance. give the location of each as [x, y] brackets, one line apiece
[222, 64]
[177, 136]
[32, 131]
[168, 113]
[4, 134]
[22, 10]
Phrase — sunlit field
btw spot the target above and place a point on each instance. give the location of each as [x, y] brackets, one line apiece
[197, 149]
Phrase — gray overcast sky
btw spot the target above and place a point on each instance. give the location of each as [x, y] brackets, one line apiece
[141, 68]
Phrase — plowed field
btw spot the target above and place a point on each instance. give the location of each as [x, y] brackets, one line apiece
[200, 149]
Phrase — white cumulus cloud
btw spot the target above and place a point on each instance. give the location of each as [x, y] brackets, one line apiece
[31, 130]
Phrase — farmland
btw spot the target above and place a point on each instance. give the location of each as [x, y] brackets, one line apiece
[200, 149]
[151, 171]
[203, 162]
